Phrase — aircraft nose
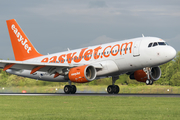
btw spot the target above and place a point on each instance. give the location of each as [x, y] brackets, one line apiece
[171, 53]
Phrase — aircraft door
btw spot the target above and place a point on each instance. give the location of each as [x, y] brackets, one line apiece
[136, 51]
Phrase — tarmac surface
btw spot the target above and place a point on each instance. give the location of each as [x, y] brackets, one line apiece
[90, 94]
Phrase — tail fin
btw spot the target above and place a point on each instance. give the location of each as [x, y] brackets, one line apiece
[22, 47]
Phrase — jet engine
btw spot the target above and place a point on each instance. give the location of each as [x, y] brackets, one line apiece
[81, 74]
[142, 75]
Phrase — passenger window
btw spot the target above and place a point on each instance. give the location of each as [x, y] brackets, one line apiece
[155, 44]
[150, 44]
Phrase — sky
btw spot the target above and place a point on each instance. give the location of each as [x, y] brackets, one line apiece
[55, 25]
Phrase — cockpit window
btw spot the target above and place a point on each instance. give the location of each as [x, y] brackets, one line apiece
[155, 44]
[150, 44]
[161, 43]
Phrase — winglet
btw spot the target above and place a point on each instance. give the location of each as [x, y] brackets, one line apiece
[22, 47]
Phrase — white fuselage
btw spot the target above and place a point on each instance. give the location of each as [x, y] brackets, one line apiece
[115, 58]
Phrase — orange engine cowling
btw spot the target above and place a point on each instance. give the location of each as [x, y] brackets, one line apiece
[81, 74]
[141, 76]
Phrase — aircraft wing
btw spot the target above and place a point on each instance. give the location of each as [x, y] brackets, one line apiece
[38, 66]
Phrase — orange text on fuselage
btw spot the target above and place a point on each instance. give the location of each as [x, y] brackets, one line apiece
[87, 54]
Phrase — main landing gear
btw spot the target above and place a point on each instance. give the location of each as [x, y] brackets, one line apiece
[70, 89]
[113, 89]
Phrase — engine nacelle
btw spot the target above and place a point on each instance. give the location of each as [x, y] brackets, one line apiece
[141, 76]
[81, 74]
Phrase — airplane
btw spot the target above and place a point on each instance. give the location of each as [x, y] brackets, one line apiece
[139, 58]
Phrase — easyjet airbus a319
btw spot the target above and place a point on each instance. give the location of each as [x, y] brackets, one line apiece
[139, 58]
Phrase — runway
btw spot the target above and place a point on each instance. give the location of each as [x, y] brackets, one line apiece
[90, 94]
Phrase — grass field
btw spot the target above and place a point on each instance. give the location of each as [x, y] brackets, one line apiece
[96, 89]
[88, 108]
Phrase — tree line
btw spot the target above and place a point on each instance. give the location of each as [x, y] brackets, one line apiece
[170, 75]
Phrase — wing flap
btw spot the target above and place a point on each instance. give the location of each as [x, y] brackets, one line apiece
[36, 69]
[8, 66]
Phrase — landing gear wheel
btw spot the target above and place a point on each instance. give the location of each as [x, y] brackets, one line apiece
[151, 82]
[110, 89]
[147, 82]
[113, 89]
[116, 89]
[73, 89]
[67, 89]
[70, 89]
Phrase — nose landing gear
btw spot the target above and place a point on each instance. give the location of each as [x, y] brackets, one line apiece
[149, 82]
[148, 71]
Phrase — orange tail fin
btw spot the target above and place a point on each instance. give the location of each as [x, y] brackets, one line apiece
[22, 47]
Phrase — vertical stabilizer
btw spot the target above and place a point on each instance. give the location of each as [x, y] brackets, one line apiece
[22, 47]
